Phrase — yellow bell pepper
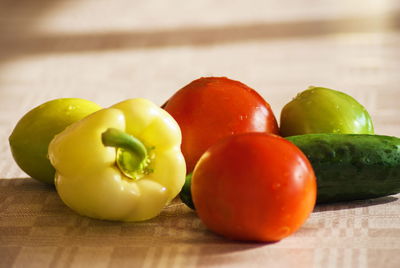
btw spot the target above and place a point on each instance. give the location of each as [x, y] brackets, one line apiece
[120, 163]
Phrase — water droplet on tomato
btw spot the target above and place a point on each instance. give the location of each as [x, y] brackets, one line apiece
[276, 186]
[284, 231]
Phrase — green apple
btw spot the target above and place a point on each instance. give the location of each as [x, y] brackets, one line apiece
[324, 110]
[34, 131]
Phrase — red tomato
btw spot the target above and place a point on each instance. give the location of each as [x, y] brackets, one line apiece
[254, 187]
[211, 108]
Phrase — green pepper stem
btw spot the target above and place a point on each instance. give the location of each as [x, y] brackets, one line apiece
[116, 138]
[132, 156]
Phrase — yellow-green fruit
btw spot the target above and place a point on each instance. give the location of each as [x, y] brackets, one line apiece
[34, 131]
[324, 110]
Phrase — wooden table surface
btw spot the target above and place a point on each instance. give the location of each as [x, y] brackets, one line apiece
[107, 51]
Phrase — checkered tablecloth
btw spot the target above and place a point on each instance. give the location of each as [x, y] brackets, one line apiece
[38, 230]
[107, 51]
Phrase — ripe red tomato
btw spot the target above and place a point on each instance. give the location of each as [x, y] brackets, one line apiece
[254, 187]
[211, 108]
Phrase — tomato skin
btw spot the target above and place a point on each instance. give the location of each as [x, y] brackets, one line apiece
[211, 108]
[324, 110]
[254, 187]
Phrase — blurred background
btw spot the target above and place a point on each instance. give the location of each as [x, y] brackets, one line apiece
[107, 51]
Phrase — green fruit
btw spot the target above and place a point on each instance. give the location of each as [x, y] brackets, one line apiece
[323, 110]
[352, 166]
[34, 131]
[186, 193]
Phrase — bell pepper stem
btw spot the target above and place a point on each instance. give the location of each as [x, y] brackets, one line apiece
[132, 156]
[116, 138]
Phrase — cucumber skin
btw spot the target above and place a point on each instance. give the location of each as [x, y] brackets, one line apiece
[352, 166]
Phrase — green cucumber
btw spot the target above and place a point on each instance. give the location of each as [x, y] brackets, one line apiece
[186, 193]
[352, 166]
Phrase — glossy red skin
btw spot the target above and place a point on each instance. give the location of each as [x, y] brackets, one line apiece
[211, 108]
[254, 187]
